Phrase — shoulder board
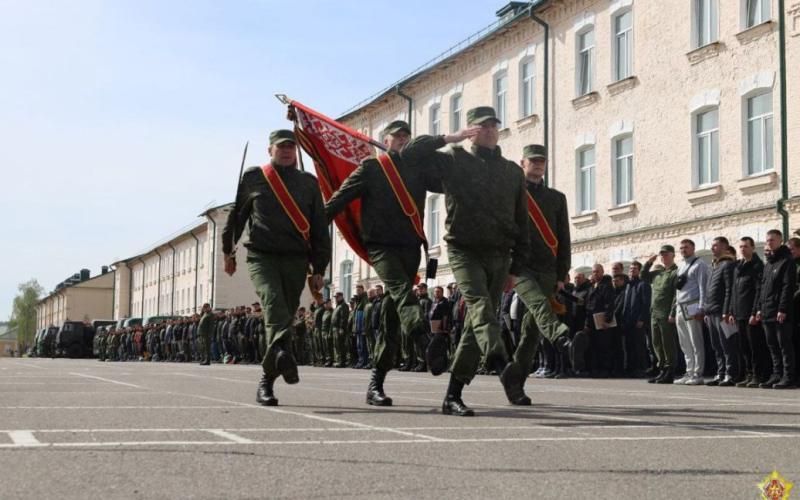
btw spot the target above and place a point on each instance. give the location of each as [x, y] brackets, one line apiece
[251, 170]
[309, 174]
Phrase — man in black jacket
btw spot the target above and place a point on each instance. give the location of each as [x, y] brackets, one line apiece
[719, 313]
[794, 246]
[747, 276]
[635, 318]
[776, 312]
[600, 300]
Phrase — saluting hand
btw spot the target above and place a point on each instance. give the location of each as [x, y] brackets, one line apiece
[652, 259]
[230, 264]
[462, 134]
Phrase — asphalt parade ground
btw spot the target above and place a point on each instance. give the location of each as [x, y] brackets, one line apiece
[85, 429]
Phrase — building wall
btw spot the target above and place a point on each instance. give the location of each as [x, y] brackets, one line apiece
[85, 301]
[672, 82]
[9, 345]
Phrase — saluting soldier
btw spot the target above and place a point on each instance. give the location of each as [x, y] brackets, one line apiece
[283, 210]
[543, 274]
[386, 185]
[487, 242]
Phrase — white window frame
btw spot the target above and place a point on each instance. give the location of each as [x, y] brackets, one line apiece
[500, 100]
[581, 185]
[435, 119]
[346, 278]
[435, 209]
[456, 112]
[748, 169]
[629, 36]
[629, 170]
[579, 52]
[764, 13]
[697, 138]
[706, 32]
[527, 87]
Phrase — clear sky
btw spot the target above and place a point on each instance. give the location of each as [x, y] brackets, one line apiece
[120, 121]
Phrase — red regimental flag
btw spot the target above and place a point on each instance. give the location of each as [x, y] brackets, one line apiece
[336, 150]
[539, 220]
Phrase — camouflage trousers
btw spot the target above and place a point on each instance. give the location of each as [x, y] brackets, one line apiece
[278, 281]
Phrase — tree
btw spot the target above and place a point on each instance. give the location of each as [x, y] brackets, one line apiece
[23, 312]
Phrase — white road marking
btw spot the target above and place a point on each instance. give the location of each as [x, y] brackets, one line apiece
[230, 436]
[397, 441]
[115, 407]
[24, 438]
[108, 380]
[30, 365]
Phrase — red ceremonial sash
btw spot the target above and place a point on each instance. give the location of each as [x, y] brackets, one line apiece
[287, 202]
[538, 218]
[405, 199]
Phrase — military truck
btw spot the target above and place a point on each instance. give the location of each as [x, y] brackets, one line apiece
[74, 340]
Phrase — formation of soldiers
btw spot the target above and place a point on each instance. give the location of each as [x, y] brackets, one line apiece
[233, 336]
[506, 230]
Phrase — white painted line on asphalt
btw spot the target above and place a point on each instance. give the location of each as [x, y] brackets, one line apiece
[29, 365]
[116, 407]
[401, 441]
[306, 415]
[24, 438]
[230, 436]
[108, 380]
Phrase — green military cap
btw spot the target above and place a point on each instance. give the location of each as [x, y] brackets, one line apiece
[476, 116]
[396, 126]
[534, 151]
[279, 136]
[667, 249]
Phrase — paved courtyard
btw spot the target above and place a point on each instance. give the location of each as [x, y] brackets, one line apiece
[84, 429]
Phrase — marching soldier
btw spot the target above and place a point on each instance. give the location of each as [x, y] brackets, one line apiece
[543, 274]
[385, 186]
[488, 242]
[284, 213]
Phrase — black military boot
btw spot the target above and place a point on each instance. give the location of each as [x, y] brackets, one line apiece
[375, 394]
[435, 349]
[785, 383]
[265, 395]
[667, 378]
[769, 384]
[287, 366]
[513, 380]
[453, 405]
[659, 376]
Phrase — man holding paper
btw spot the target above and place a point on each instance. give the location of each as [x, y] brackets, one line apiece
[599, 321]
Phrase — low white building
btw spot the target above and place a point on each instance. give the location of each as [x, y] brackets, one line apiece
[177, 275]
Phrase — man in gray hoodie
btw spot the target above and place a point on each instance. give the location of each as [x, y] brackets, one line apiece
[690, 301]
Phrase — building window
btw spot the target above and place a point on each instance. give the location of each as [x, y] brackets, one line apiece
[623, 171]
[707, 140]
[706, 16]
[528, 87]
[586, 62]
[436, 120]
[623, 45]
[500, 89]
[586, 199]
[433, 220]
[346, 278]
[455, 113]
[760, 157]
[756, 12]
